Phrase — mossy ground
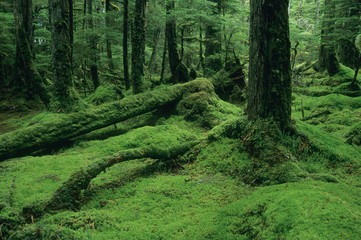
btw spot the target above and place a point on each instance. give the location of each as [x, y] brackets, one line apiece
[252, 183]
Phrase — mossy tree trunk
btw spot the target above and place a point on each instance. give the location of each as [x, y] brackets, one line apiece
[61, 52]
[269, 90]
[67, 195]
[93, 42]
[138, 47]
[26, 77]
[42, 135]
[213, 61]
[327, 56]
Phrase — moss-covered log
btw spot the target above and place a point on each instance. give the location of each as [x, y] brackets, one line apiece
[68, 193]
[41, 135]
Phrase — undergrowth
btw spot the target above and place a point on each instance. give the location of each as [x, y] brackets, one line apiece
[244, 181]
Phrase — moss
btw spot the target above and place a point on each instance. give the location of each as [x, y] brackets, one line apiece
[354, 135]
[37, 231]
[307, 210]
[102, 95]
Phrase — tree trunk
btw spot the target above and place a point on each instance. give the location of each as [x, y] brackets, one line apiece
[108, 41]
[269, 89]
[26, 77]
[213, 60]
[164, 55]
[42, 135]
[201, 59]
[171, 36]
[125, 46]
[71, 31]
[67, 195]
[61, 52]
[317, 14]
[158, 37]
[92, 41]
[138, 47]
[348, 53]
[327, 56]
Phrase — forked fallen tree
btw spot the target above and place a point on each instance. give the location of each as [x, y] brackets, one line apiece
[26, 140]
[68, 193]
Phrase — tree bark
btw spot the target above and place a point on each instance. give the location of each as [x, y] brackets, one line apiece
[42, 135]
[164, 55]
[26, 77]
[327, 56]
[171, 36]
[138, 47]
[68, 193]
[92, 41]
[158, 37]
[269, 68]
[61, 52]
[125, 46]
[108, 41]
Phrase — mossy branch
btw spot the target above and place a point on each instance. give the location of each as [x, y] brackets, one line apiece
[26, 140]
[68, 193]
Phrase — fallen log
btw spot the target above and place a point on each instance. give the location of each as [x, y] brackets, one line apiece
[68, 193]
[26, 140]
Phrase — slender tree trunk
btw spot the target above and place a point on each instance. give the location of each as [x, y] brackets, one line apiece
[171, 36]
[61, 52]
[158, 37]
[138, 47]
[201, 59]
[71, 29]
[164, 55]
[317, 14]
[92, 41]
[182, 44]
[108, 41]
[289, 8]
[269, 67]
[125, 45]
[26, 77]
[354, 81]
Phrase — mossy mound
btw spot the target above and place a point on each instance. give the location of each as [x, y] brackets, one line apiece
[354, 135]
[313, 83]
[104, 94]
[305, 210]
[51, 232]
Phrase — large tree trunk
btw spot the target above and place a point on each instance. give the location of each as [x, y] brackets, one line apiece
[41, 135]
[92, 41]
[269, 90]
[138, 47]
[61, 52]
[26, 77]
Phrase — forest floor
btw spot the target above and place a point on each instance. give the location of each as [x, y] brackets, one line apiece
[257, 184]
